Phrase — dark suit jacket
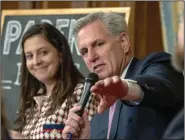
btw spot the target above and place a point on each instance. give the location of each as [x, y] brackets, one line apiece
[175, 129]
[160, 83]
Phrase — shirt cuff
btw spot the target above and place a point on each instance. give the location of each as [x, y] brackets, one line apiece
[133, 87]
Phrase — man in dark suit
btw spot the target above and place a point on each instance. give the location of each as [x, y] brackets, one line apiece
[175, 129]
[137, 97]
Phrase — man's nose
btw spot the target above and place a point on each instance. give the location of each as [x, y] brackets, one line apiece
[92, 56]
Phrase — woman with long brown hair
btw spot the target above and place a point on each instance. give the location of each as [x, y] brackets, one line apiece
[51, 84]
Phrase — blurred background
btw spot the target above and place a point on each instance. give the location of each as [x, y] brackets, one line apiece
[152, 27]
[144, 22]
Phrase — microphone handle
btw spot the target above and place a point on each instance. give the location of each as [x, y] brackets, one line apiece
[90, 80]
[79, 113]
[83, 104]
[84, 99]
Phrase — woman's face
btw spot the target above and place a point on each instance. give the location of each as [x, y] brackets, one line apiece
[42, 58]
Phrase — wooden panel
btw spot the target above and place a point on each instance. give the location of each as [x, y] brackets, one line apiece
[107, 4]
[140, 49]
[37, 4]
[154, 38]
[25, 5]
[73, 4]
[131, 23]
[79, 4]
[126, 3]
[148, 37]
[9, 5]
[16, 5]
[55, 4]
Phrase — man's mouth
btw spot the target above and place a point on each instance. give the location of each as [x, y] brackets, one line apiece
[98, 68]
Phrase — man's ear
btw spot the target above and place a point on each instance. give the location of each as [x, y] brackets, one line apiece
[125, 42]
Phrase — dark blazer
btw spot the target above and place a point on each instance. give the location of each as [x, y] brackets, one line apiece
[175, 129]
[163, 95]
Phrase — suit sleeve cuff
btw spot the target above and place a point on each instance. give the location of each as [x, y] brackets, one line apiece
[134, 89]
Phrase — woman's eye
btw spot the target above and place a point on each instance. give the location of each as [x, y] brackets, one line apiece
[29, 56]
[44, 52]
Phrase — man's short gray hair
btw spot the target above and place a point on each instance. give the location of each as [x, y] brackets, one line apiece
[114, 22]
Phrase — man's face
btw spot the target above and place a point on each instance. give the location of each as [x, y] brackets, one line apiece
[102, 52]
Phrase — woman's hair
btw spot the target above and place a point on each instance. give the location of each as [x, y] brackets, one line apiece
[67, 75]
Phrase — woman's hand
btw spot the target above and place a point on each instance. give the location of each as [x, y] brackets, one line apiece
[15, 135]
[78, 127]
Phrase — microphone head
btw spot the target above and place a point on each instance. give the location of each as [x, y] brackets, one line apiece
[92, 77]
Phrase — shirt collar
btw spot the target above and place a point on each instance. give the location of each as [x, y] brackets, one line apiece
[125, 70]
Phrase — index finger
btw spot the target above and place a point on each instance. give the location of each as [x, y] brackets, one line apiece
[98, 86]
[75, 108]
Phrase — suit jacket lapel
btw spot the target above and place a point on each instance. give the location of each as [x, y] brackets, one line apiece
[115, 120]
[130, 72]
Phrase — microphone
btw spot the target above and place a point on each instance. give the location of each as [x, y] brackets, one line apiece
[91, 79]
